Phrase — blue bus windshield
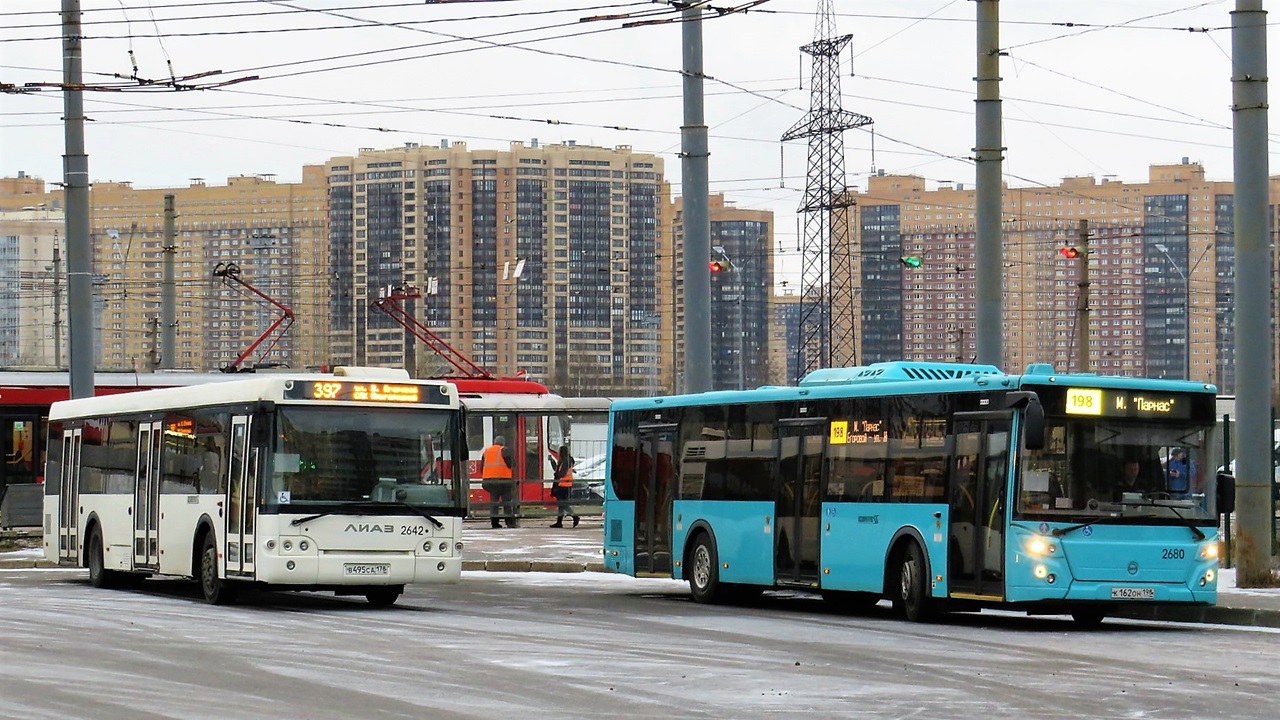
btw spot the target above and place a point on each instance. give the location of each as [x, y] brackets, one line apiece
[1124, 468]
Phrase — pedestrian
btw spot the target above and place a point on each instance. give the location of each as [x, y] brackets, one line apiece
[1180, 473]
[562, 487]
[497, 479]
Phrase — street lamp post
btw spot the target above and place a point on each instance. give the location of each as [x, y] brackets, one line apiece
[1186, 303]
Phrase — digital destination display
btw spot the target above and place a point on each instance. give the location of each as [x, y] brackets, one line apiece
[1104, 402]
[376, 392]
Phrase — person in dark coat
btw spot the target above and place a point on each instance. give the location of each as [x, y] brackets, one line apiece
[562, 486]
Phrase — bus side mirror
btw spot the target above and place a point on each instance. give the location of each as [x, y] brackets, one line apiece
[1226, 494]
[1032, 418]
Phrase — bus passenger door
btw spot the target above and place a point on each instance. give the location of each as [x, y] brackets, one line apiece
[242, 494]
[655, 492]
[798, 501]
[69, 496]
[146, 496]
[979, 477]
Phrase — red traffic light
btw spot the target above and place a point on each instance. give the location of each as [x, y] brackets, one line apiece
[1069, 253]
[716, 266]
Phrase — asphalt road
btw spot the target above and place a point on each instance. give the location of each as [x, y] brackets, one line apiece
[592, 645]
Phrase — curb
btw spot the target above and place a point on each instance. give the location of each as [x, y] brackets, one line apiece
[1212, 615]
[25, 564]
[547, 566]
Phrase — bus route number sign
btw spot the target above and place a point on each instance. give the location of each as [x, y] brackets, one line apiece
[1084, 401]
[344, 390]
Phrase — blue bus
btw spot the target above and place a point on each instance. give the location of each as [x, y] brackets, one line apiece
[940, 487]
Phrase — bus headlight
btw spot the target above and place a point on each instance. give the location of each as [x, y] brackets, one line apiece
[1039, 546]
[1209, 551]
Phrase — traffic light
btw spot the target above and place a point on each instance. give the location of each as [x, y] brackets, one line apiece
[911, 261]
[716, 266]
[1069, 253]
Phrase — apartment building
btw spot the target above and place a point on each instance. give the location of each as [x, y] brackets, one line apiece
[1161, 259]
[542, 260]
[33, 329]
[742, 247]
[272, 233]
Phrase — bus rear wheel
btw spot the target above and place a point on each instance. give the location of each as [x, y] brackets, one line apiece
[216, 590]
[704, 570]
[99, 576]
[383, 595]
[912, 598]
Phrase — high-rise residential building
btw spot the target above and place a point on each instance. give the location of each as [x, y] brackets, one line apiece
[741, 293]
[535, 259]
[32, 288]
[272, 233]
[1160, 273]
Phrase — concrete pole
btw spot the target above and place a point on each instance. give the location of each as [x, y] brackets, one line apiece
[75, 172]
[1253, 267]
[989, 156]
[57, 302]
[168, 290]
[1082, 301]
[694, 168]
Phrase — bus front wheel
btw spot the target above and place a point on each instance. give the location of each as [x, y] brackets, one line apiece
[912, 598]
[704, 570]
[216, 590]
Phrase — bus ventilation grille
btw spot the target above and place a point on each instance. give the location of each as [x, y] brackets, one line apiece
[897, 372]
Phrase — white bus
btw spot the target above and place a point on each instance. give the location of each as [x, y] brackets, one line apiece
[353, 482]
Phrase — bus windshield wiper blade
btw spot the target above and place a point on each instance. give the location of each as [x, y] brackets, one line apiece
[1190, 523]
[367, 504]
[439, 525]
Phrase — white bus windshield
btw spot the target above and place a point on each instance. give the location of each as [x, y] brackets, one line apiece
[1118, 468]
[341, 455]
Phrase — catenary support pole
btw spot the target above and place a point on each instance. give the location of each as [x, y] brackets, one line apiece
[694, 169]
[168, 290]
[75, 172]
[1254, 391]
[989, 155]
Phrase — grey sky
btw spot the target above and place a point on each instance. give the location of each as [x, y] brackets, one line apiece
[1128, 85]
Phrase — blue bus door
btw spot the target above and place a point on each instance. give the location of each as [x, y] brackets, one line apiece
[979, 477]
[798, 501]
[655, 491]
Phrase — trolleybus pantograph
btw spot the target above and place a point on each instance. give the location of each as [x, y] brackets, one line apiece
[353, 482]
[940, 487]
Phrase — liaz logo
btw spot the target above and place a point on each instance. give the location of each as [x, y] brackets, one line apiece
[369, 528]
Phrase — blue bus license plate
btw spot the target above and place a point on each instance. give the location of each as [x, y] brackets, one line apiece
[1133, 593]
[366, 569]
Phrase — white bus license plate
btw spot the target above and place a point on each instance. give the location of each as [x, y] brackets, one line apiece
[1133, 593]
[366, 569]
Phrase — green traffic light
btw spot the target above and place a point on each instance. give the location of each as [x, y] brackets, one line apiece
[911, 261]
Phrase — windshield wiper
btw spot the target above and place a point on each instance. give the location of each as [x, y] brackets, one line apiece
[366, 504]
[1188, 522]
[1059, 532]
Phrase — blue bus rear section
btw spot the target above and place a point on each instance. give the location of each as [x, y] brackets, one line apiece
[1067, 548]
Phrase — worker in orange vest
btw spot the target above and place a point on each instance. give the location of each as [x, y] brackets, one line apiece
[497, 478]
[563, 485]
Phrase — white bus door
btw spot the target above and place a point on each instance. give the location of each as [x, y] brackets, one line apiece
[69, 497]
[146, 496]
[242, 499]
[798, 501]
[655, 492]
[979, 477]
